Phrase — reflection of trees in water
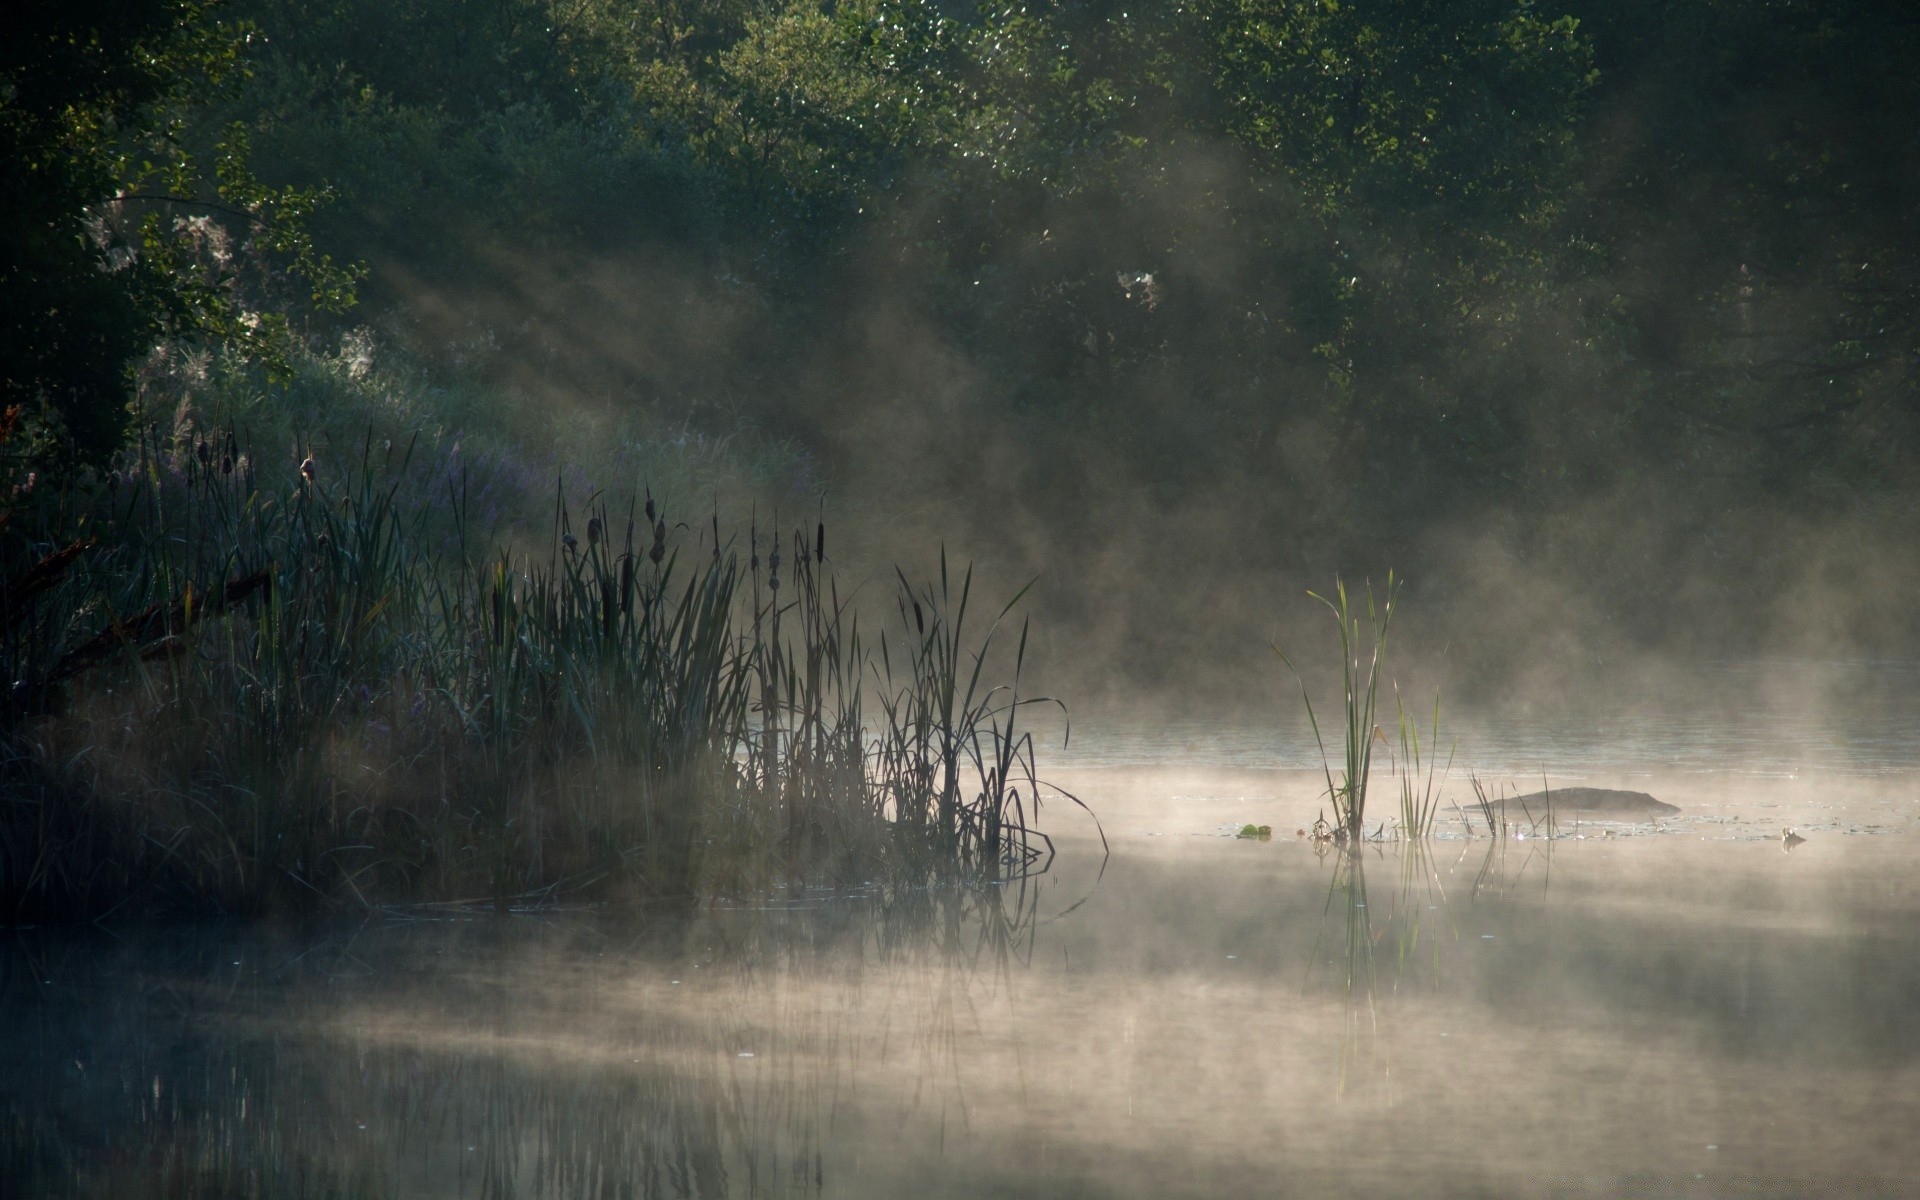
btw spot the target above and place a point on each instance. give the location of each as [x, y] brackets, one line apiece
[500, 1067]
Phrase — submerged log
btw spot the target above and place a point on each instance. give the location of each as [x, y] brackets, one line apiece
[1587, 802]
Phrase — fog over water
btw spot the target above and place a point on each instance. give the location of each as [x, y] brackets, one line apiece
[1676, 1008]
[1766, 718]
[1585, 334]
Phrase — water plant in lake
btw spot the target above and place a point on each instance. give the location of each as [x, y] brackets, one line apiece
[1360, 672]
[1490, 810]
[1416, 766]
[1419, 771]
[253, 689]
[1536, 810]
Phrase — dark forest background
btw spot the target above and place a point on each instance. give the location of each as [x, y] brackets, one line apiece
[1596, 321]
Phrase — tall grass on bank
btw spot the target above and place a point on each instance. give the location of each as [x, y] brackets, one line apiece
[253, 688]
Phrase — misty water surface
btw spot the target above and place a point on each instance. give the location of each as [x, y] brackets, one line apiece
[1681, 1009]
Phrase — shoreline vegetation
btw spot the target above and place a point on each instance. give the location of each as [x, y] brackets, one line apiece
[251, 686]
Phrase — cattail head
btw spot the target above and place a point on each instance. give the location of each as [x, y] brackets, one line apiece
[309, 468]
[593, 532]
[570, 542]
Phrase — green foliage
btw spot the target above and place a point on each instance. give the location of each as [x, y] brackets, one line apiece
[1459, 107]
[1353, 271]
[1362, 648]
[1778, 316]
[118, 234]
[828, 104]
[1420, 771]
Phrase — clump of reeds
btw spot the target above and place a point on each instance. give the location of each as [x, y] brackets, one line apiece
[1419, 771]
[248, 687]
[1501, 821]
[953, 763]
[1491, 811]
[1362, 650]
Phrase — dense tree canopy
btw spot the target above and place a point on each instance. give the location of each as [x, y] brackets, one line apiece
[1356, 272]
[116, 234]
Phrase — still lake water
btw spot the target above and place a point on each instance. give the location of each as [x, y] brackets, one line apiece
[1674, 1010]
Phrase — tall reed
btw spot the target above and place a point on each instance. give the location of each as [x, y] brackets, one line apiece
[1361, 653]
[1419, 771]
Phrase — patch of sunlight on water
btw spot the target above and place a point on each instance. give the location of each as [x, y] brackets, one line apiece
[1672, 1009]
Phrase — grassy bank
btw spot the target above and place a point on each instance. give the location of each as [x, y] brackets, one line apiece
[255, 682]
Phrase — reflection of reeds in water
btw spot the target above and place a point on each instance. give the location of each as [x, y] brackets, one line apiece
[1360, 1030]
[597, 1078]
[255, 698]
[1497, 870]
[1394, 940]
[1386, 947]
[1421, 893]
